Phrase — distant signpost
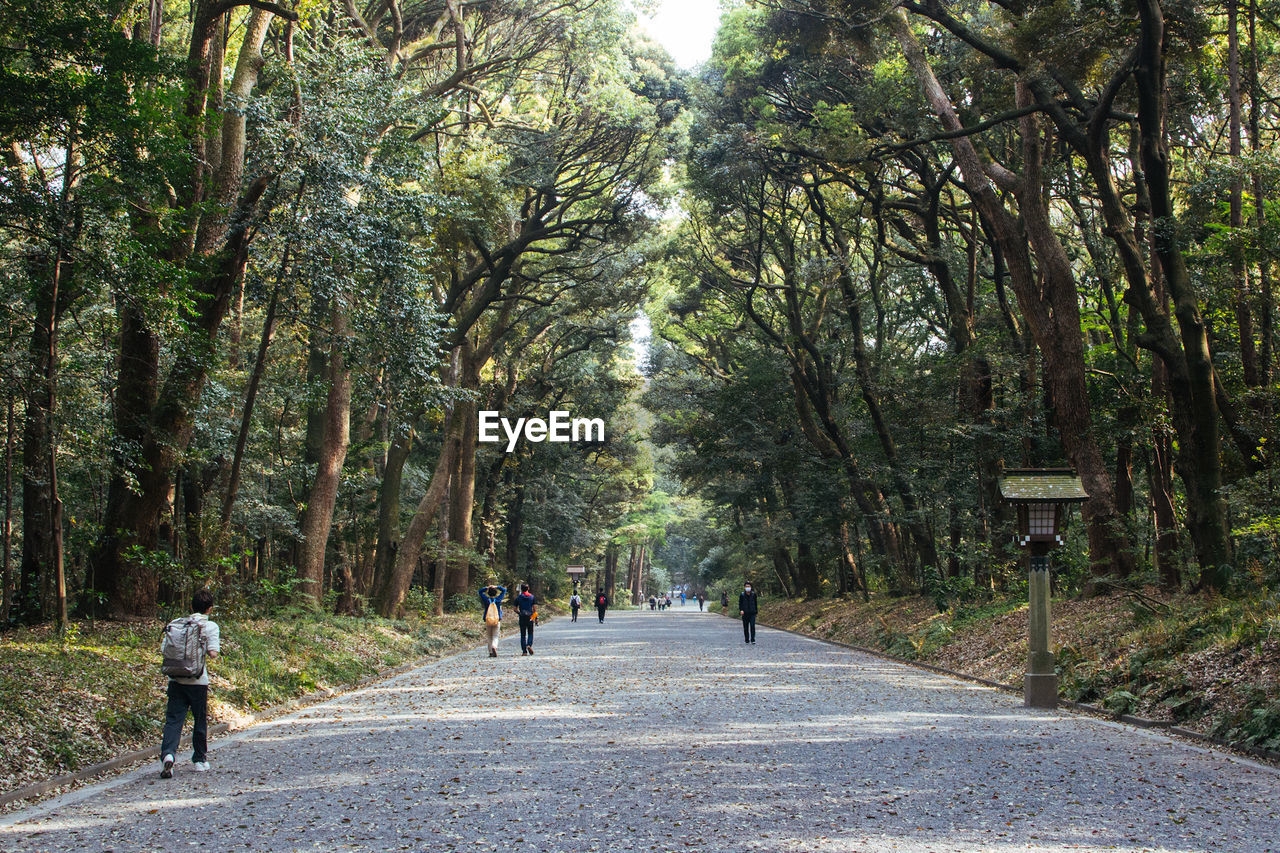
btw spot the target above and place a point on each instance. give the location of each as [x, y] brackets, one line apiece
[576, 573]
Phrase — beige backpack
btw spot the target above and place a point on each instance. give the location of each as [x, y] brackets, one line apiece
[491, 614]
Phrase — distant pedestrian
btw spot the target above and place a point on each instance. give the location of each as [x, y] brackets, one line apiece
[724, 602]
[748, 607]
[190, 693]
[527, 607]
[602, 603]
[701, 600]
[682, 598]
[574, 603]
[492, 596]
[653, 602]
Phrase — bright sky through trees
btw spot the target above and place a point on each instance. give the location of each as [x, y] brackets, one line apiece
[685, 28]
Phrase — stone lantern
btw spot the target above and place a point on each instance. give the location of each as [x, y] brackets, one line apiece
[1042, 497]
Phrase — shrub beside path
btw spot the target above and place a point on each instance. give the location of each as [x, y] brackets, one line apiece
[663, 731]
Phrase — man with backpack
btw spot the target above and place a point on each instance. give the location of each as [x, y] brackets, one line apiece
[491, 606]
[575, 602]
[602, 603]
[186, 645]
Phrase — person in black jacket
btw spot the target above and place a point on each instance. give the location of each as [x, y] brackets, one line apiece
[748, 607]
[602, 603]
[526, 606]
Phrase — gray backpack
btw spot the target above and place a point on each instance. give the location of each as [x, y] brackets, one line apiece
[182, 647]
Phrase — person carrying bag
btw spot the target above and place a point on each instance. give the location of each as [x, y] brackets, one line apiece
[491, 598]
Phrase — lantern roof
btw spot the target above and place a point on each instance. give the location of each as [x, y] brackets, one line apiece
[1042, 485]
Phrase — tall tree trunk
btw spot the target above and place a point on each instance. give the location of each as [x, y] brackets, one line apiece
[1167, 563]
[610, 569]
[255, 379]
[1267, 331]
[1050, 305]
[489, 511]
[812, 395]
[388, 541]
[782, 568]
[51, 462]
[155, 418]
[37, 500]
[246, 417]
[851, 563]
[515, 527]
[634, 575]
[462, 502]
[441, 574]
[1199, 460]
[323, 496]
[915, 520]
[1239, 272]
[391, 594]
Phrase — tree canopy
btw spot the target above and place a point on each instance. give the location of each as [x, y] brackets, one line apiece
[263, 265]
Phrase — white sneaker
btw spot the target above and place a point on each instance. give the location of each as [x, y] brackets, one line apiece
[201, 766]
[166, 772]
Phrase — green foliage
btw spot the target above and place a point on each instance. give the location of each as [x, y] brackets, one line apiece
[419, 602]
[462, 603]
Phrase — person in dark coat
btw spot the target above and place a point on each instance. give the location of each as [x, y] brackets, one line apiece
[748, 607]
[526, 606]
[602, 603]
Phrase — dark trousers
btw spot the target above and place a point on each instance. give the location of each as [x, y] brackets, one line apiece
[526, 632]
[575, 615]
[600, 610]
[184, 697]
[749, 627]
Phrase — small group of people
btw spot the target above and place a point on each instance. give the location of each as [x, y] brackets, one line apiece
[659, 602]
[601, 602]
[491, 599]
[494, 594]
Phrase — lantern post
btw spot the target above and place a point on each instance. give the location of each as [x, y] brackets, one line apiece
[1042, 497]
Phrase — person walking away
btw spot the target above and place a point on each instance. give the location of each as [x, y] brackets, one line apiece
[189, 692]
[724, 602]
[574, 603]
[682, 599]
[602, 604]
[527, 607]
[748, 607]
[701, 600]
[491, 598]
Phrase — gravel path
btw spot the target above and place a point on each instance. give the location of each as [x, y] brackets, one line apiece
[664, 732]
